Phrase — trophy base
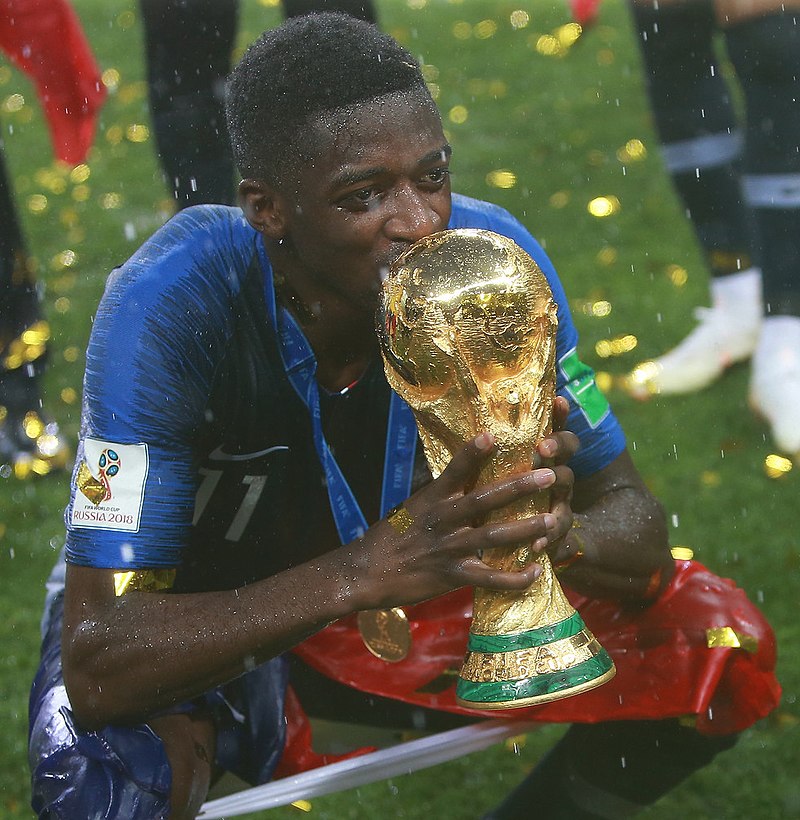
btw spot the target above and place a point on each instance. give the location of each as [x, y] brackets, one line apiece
[472, 696]
[533, 667]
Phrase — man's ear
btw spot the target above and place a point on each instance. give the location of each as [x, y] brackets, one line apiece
[264, 208]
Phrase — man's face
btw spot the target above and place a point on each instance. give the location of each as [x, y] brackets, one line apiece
[378, 183]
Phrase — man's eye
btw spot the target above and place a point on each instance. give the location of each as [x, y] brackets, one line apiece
[438, 175]
[359, 199]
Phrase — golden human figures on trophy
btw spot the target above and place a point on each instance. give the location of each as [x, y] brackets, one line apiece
[467, 325]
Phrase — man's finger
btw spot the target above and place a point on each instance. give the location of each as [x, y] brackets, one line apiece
[560, 412]
[476, 573]
[465, 465]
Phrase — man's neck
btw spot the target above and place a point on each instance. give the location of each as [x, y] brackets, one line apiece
[342, 338]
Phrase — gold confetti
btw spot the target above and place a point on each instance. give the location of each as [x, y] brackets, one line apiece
[79, 174]
[71, 353]
[783, 719]
[776, 466]
[727, 636]
[51, 179]
[559, 199]
[110, 201]
[485, 29]
[710, 478]
[568, 34]
[114, 135]
[62, 304]
[678, 275]
[5, 74]
[64, 283]
[603, 206]
[458, 114]
[513, 744]
[641, 380]
[501, 178]
[37, 203]
[13, 103]
[548, 46]
[416, 4]
[69, 395]
[462, 30]
[596, 158]
[270, 4]
[23, 467]
[605, 56]
[32, 424]
[137, 132]
[37, 334]
[632, 151]
[28, 346]
[126, 20]
[434, 90]
[604, 380]
[519, 19]
[80, 193]
[616, 346]
[68, 217]
[303, 805]
[145, 580]
[682, 553]
[131, 92]
[607, 256]
[64, 259]
[430, 73]
[110, 78]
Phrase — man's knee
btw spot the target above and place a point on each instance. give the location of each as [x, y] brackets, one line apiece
[115, 772]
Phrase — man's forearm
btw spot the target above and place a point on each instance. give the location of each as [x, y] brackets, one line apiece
[618, 546]
[145, 651]
[617, 561]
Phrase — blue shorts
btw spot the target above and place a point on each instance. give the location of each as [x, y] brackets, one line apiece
[123, 771]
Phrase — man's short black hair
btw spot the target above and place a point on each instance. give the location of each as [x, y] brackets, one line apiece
[295, 73]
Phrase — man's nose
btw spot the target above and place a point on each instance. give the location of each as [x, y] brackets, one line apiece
[413, 215]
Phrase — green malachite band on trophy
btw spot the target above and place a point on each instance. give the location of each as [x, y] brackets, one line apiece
[526, 640]
[540, 685]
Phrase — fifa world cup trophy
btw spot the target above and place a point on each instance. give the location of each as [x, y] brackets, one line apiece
[467, 324]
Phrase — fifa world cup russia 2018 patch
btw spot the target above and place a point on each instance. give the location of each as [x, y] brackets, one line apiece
[109, 486]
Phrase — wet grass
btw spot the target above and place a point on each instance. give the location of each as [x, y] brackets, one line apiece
[560, 126]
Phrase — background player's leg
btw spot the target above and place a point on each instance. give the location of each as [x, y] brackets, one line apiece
[29, 442]
[610, 770]
[766, 54]
[701, 144]
[188, 46]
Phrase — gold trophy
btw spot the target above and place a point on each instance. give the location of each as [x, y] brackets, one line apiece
[467, 325]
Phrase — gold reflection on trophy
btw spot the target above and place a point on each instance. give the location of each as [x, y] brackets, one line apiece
[467, 325]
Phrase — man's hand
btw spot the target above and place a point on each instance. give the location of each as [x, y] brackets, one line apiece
[437, 542]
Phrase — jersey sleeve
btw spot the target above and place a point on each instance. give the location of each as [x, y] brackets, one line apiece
[155, 343]
[590, 416]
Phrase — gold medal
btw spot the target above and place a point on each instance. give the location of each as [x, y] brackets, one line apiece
[386, 633]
